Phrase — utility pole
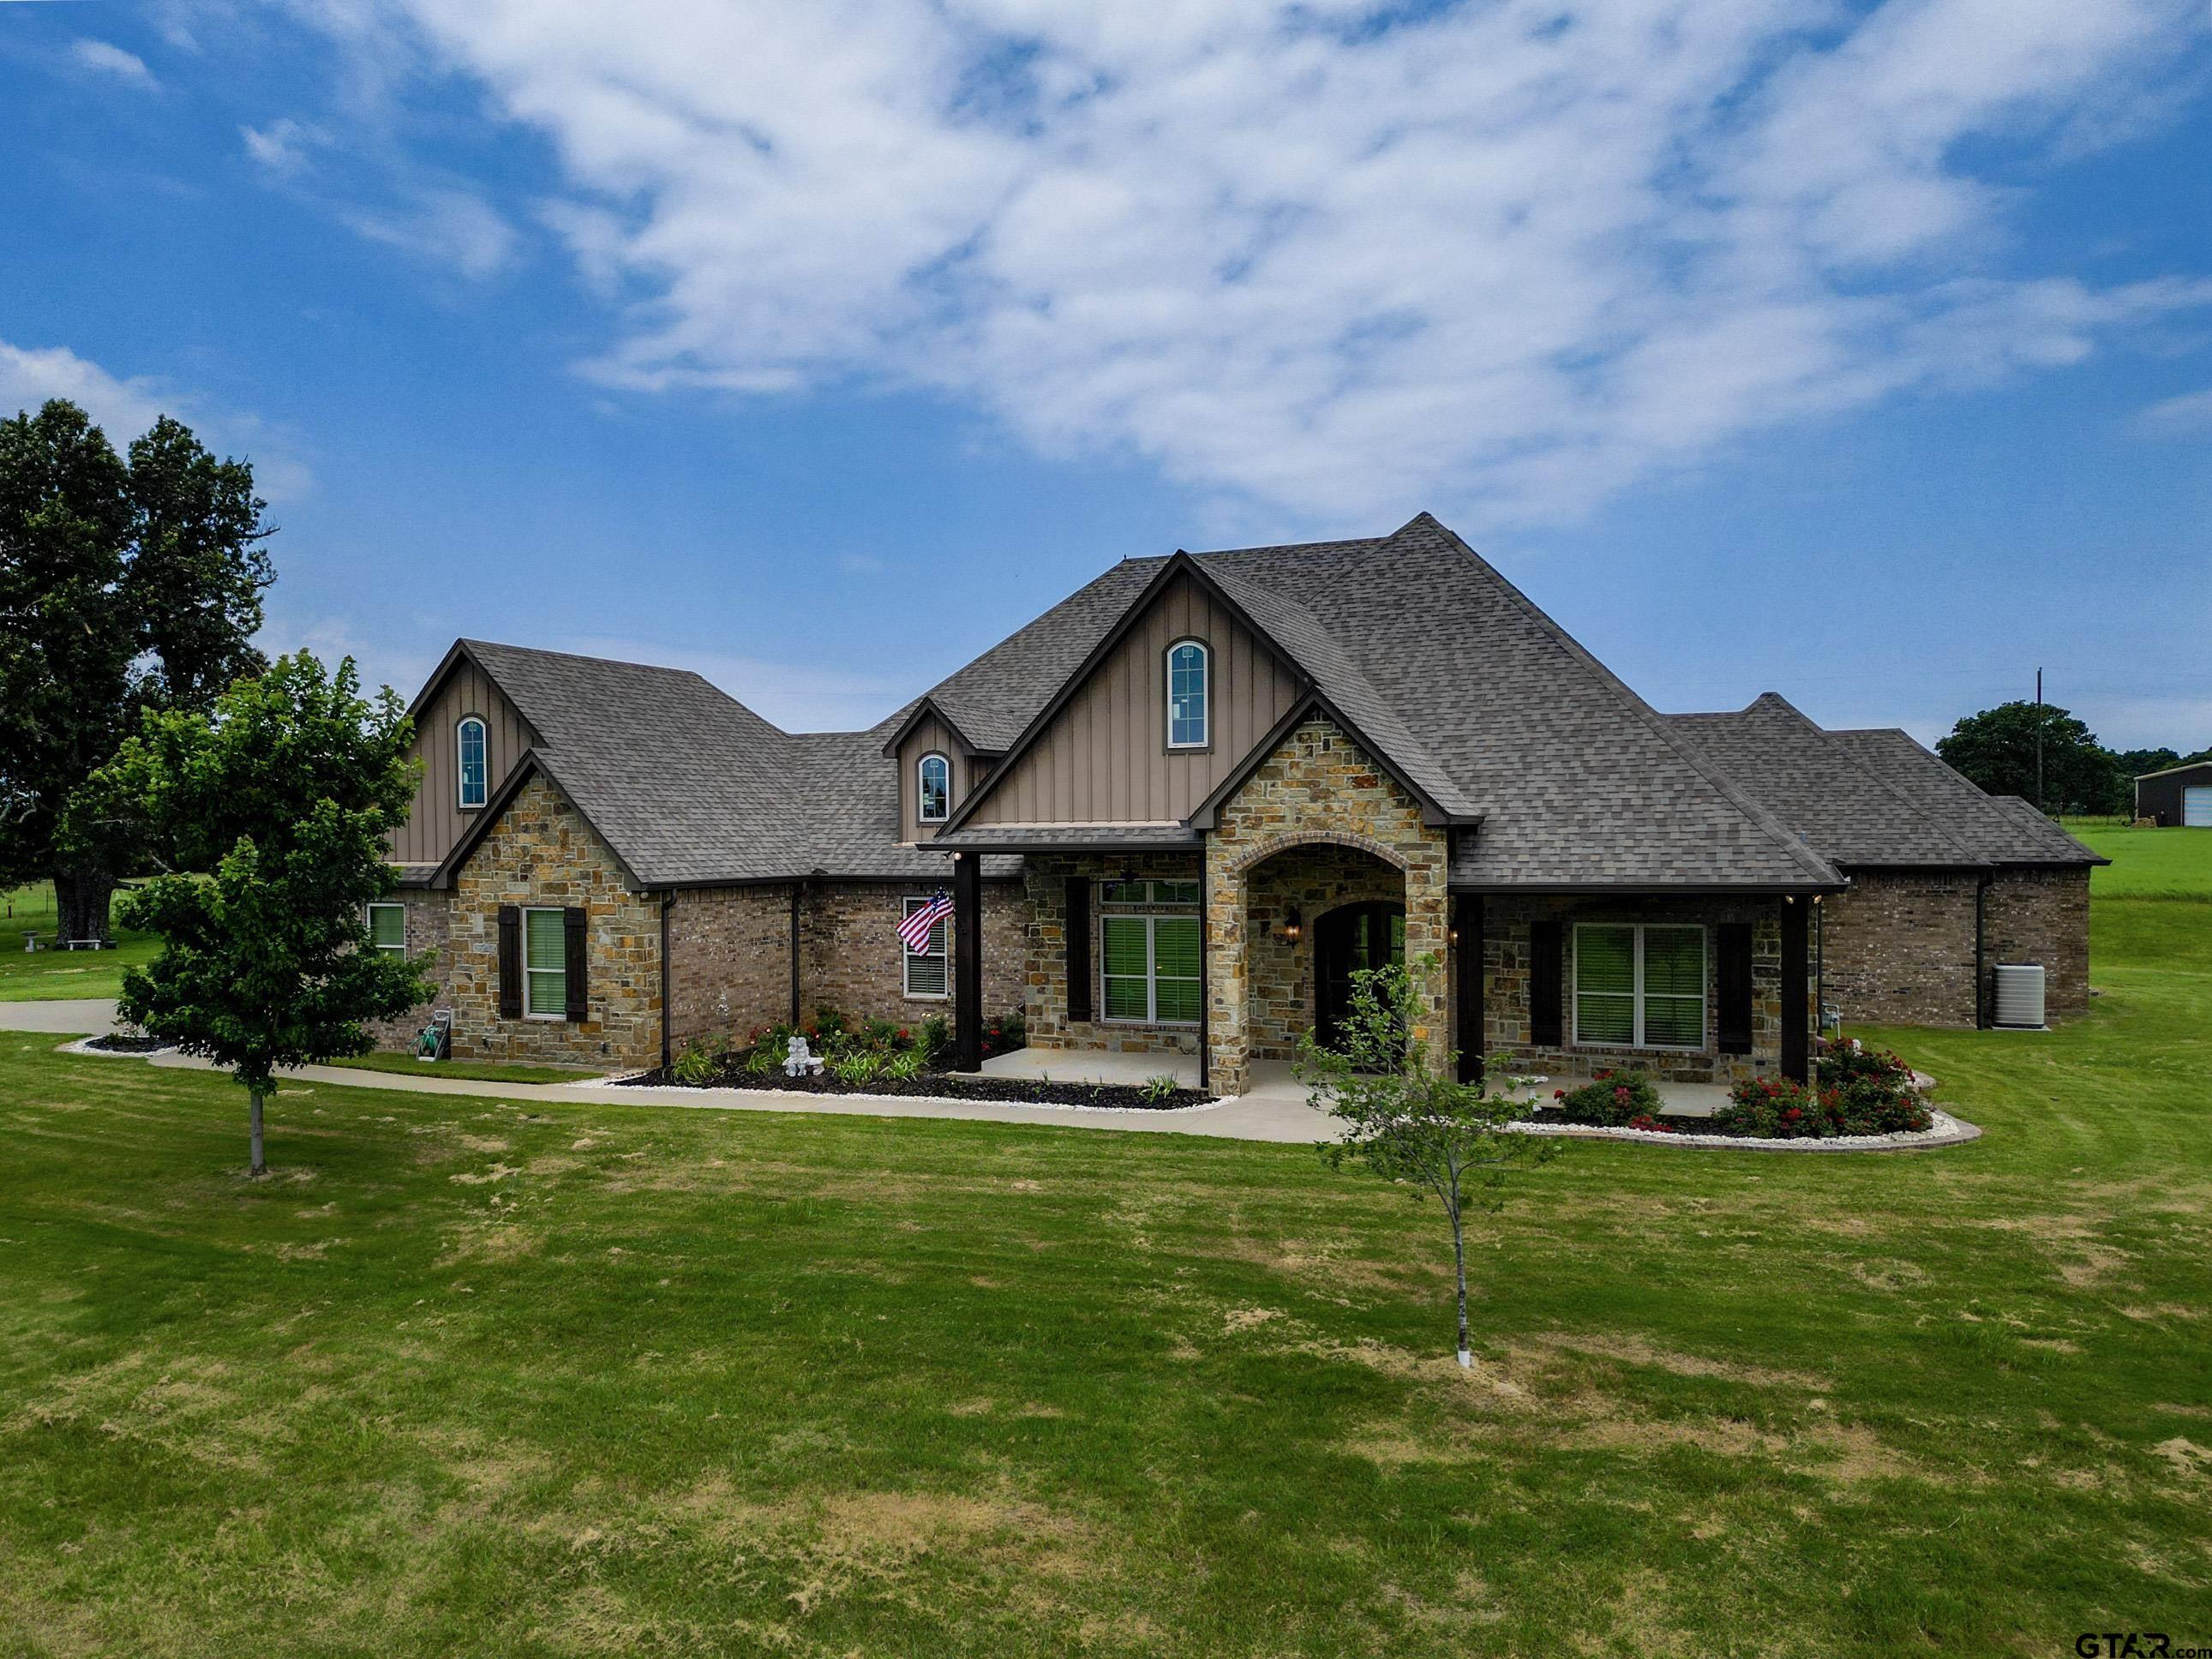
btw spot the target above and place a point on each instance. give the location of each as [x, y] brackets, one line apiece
[2038, 740]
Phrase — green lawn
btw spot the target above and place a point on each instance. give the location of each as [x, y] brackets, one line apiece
[479, 1070]
[2147, 863]
[517, 1378]
[26, 976]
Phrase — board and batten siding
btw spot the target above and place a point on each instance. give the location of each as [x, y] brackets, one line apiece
[933, 735]
[1104, 758]
[436, 820]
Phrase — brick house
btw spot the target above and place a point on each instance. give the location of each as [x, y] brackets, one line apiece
[1179, 810]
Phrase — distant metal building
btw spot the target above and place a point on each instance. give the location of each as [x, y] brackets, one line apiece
[2179, 795]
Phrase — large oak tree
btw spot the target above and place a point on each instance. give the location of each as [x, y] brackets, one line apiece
[126, 582]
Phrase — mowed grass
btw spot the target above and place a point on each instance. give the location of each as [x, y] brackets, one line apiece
[2168, 863]
[35, 977]
[474, 1071]
[491, 1376]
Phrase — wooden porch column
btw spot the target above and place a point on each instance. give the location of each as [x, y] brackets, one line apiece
[1467, 985]
[1796, 990]
[966, 962]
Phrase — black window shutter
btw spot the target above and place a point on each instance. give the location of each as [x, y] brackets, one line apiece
[510, 962]
[571, 928]
[1078, 947]
[1544, 984]
[1733, 971]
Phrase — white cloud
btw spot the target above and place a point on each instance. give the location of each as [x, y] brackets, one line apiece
[443, 227]
[29, 377]
[1334, 255]
[283, 146]
[102, 59]
[124, 407]
[2189, 412]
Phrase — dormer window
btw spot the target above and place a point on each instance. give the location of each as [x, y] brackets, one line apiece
[934, 790]
[475, 774]
[1189, 665]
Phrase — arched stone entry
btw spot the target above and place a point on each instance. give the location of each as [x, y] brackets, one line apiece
[1316, 825]
[1283, 980]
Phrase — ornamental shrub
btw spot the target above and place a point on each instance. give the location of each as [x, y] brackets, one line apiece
[1610, 1100]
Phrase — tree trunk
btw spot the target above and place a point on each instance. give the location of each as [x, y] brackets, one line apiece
[1459, 1267]
[81, 903]
[261, 1165]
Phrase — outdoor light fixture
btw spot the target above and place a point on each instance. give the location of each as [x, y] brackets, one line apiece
[1291, 924]
[1451, 935]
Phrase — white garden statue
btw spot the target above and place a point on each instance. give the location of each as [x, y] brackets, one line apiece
[798, 1060]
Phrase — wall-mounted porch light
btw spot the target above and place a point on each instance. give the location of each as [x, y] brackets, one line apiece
[1291, 922]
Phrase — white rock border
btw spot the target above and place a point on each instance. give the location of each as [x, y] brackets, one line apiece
[83, 1046]
[1944, 1130]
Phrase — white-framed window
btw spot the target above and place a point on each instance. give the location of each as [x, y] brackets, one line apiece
[933, 788]
[928, 970]
[545, 964]
[1639, 985]
[1189, 670]
[1150, 962]
[475, 771]
[387, 927]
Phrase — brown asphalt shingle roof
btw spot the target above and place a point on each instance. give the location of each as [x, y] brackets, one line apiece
[1480, 699]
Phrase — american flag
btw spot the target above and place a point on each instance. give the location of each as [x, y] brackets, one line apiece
[916, 928]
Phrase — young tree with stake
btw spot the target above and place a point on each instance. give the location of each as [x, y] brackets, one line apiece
[273, 809]
[1410, 1123]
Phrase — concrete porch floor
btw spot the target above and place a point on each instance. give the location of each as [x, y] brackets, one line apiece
[1273, 1080]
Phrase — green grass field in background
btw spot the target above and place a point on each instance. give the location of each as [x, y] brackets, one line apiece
[2170, 863]
[516, 1376]
[31, 977]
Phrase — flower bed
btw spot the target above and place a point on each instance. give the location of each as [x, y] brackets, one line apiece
[878, 1057]
[121, 1043]
[1856, 1092]
[1163, 1095]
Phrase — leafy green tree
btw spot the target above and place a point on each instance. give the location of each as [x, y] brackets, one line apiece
[1408, 1122]
[276, 806]
[1996, 749]
[123, 585]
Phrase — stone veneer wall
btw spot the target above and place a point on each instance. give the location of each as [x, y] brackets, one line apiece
[542, 852]
[2042, 914]
[428, 918]
[1315, 877]
[1506, 927]
[1897, 947]
[1318, 786]
[1046, 967]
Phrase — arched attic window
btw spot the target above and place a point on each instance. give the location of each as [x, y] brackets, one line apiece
[1190, 671]
[934, 788]
[475, 775]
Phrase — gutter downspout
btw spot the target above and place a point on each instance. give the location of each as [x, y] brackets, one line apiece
[1981, 905]
[667, 1014]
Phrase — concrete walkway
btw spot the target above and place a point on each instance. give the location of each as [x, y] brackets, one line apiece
[1251, 1118]
[1275, 1109]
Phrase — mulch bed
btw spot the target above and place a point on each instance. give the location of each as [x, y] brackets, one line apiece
[950, 1086]
[129, 1045]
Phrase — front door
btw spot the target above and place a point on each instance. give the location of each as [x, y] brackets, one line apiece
[1346, 939]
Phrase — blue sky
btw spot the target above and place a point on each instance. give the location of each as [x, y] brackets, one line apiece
[1859, 352]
